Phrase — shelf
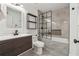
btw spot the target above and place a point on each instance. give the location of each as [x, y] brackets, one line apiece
[31, 15]
[44, 23]
[32, 21]
[45, 17]
[43, 28]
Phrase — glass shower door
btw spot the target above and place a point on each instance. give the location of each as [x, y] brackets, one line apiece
[45, 25]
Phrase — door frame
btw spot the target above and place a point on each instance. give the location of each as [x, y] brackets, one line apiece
[73, 28]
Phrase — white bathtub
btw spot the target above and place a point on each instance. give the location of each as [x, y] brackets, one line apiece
[59, 39]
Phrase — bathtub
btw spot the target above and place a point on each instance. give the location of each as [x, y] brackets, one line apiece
[60, 39]
[57, 39]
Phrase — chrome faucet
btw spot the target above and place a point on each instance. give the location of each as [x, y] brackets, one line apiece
[16, 32]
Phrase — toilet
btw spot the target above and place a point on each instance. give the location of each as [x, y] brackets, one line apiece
[38, 45]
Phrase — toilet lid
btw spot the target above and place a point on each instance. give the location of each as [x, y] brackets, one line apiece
[39, 44]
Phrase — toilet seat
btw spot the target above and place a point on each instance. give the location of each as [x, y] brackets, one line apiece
[39, 43]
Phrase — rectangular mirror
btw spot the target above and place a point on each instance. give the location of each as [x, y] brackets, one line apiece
[13, 18]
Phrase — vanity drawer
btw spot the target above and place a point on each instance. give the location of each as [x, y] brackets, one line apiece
[18, 50]
[6, 46]
[22, 40]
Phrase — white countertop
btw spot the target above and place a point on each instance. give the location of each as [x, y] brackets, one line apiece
[12, 36]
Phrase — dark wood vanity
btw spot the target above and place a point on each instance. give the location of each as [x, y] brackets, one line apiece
[15, 46]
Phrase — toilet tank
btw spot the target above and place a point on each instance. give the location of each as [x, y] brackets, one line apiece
[34, 38]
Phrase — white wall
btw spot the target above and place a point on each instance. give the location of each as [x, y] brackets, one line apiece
[3, 29]
[74, 15]
[34, 12]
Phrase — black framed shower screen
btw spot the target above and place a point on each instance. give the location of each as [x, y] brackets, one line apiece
[45, 25]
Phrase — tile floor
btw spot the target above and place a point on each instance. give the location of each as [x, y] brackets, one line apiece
[52, 48]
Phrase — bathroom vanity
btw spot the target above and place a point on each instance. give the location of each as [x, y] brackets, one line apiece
[15, 20]
[15, 45]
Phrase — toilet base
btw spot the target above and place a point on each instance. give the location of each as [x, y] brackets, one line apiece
[38, 50]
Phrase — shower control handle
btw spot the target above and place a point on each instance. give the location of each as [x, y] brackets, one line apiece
[76, 41]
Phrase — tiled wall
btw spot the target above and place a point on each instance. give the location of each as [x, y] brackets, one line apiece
[62, 17]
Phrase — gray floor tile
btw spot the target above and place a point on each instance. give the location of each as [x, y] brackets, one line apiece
[51, 49]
